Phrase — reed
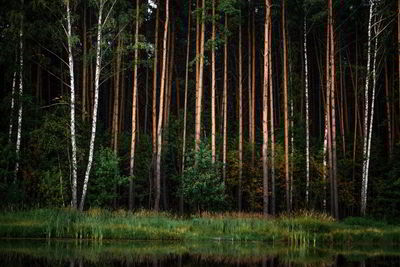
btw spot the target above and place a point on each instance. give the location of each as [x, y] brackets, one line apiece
[301, 230]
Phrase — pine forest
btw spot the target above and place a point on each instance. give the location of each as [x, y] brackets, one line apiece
[191, 106]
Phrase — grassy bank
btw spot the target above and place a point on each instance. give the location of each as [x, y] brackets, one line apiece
[305, 229]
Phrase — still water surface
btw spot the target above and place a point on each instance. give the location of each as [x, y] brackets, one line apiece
[151, 253]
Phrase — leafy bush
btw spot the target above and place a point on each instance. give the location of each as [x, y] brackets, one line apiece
[202, 186]
[106, 178]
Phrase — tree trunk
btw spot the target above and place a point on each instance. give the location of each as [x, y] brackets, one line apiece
[20, 93]
[185, 105]
[366, 115]
[95, 101]
[72, 107]
[285, 106]
[265, 107]
[225, 100]
[10, 127]
[84, 67]
[134, 109]
[271, 107]
[213, 122]
[115, 124]
[155, 74]
[200, 85]
[253, 88]
[376, 28]
[388, 113]
[160, 114]
[249, 80]
[240, 120]
[146, 105]
[307, 112]
[334, 198]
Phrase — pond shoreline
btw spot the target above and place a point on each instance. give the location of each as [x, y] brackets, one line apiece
[305, 229]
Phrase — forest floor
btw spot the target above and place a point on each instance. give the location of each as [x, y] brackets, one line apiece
[303, 229]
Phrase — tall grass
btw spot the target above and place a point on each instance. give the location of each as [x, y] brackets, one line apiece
[305, 229]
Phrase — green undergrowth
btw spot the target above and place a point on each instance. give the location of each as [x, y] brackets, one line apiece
[304, 229]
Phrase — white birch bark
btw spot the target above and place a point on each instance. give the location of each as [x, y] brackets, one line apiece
[366, 115]
[20, 93]
[307, 113]
[96, 98]
[10, 127]
[365, 180]
[72, 107]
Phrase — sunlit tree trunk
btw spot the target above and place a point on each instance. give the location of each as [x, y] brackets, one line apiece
[160, 115]
[213, 119]
[265, 107]
[200, 85]
[271, 109]
[155, 74]
[285, 106]
[134, 109]
[240, 120]
[115, 119]
[96, 97]
[20, 93]
[225, 100]
[72, 107]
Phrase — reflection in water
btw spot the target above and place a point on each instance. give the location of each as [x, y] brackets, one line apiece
[110, 253]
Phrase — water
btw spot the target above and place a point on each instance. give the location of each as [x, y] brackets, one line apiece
[150, 253]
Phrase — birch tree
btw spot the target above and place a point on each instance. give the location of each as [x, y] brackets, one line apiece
[20, 93]
[100, 24]
[10, 125]
[307, 110]
[68, 32]
[373, 34]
